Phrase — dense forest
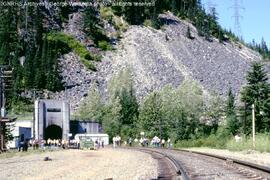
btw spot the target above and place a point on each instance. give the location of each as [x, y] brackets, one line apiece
[182, 114]
[31, 43]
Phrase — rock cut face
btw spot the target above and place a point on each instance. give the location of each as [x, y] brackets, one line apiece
[161, 57]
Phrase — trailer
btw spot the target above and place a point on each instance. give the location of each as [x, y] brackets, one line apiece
[88, 139]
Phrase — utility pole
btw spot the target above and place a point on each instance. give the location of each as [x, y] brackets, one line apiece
[253, 125]
[34, 116]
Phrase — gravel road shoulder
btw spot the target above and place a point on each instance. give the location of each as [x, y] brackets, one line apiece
[81, 164]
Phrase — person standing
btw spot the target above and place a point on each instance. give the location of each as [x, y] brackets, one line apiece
[114, 142]
[102, 143]
[130, 141]
[169, 143]
[163, 143]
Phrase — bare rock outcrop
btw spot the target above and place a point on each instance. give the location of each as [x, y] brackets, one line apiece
[167, 56]
[158, 58]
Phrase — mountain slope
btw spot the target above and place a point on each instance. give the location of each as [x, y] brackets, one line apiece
[158, 58]
[161, 57]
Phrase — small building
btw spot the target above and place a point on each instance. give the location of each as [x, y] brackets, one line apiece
[22, 130]
[93, 137]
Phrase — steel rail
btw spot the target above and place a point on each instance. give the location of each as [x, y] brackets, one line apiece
[236, 161]
[179, 169]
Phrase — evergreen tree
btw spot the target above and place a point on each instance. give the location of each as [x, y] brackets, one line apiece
[93, 25]
[232, 122]
[8, 34]
[257, 92]
[220, 36]
[7, 129]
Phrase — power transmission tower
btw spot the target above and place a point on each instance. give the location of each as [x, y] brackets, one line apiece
[210, 7]
[237, 17]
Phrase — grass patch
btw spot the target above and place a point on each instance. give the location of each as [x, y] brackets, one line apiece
[74, 45]
[228, 142]
[262, 143]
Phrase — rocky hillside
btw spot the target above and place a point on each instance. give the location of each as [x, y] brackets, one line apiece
[158, 58]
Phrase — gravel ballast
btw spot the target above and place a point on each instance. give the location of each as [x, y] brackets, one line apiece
[248, 156]
[79, 164]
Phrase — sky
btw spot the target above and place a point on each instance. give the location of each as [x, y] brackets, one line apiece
[255, 21]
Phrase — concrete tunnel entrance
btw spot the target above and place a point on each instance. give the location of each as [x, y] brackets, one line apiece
[53, 132]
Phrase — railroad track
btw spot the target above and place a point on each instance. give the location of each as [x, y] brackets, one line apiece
[264, 169]
[169, 168]
[197, 165]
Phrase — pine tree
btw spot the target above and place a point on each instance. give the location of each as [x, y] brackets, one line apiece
[257, 92]
[232, 122]
[154, 18]
[7, 129]
[220, 36]
[93, 25]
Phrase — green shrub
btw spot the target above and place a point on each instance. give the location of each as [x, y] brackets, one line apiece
[211, 141]
[75, 45]
[104, 45]
[97, 58]
[89, 65]
[217, 140]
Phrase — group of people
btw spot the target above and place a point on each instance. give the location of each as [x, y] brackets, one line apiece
[142, 141]
[42, 144]
[145, 142]
[157, 142]
[56, 143]
[116, 141]
[98, 143]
